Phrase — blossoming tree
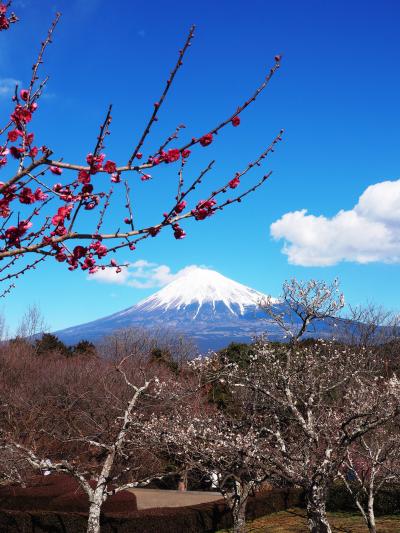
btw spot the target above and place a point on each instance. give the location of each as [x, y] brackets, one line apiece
[314, 400]
[306, 304]
[82, 418]
[371, 465]
[321, 398]
[227, 449]
[45, 200]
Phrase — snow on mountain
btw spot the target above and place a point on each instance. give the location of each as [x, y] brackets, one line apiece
[198, 286]
[202, 304]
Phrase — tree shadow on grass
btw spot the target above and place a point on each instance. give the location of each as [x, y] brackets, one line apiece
[334, 528]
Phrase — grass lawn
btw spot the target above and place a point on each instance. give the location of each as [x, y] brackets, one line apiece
[294, 521]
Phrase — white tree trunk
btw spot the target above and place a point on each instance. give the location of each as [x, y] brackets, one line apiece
[316, 511]
[99, 495]
[371, 514]
[362, 510]
[94, 517]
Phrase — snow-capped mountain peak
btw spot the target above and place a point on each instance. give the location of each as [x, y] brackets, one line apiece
[199, 303]
[199, 286]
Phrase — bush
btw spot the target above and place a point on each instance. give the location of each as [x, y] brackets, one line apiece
[50, 344]
[387, 501]
[273, 501]
[202, 518]
[59, 493]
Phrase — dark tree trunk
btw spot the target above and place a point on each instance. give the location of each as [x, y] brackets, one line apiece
[238, 505]
[239, 517]
[316, 511]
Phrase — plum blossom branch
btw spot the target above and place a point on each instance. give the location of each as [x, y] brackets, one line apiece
[23, 233]
[39, 60]
[158, 104]
[5, 18]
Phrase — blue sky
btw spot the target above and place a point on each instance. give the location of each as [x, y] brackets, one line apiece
[336, 96]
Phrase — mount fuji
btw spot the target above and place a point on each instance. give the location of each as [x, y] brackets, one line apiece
[202, 304]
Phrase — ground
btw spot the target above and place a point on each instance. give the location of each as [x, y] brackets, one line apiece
[293, 521]
[149, 498]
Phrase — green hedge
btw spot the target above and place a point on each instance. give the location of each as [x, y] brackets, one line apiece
[204, 518]
[387, 501]
[60, 493]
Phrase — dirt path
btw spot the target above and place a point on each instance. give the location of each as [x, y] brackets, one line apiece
[149, 498]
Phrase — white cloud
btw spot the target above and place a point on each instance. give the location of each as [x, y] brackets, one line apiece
[7, 89]
[7, 86]
[142, 275]
[370, 232]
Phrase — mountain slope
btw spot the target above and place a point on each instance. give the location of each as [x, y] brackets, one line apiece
[202, 304]
[201, 287]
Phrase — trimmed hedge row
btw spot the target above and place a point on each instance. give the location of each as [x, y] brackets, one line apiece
[59, 493]
[387, 501]
[204, 518]
[58, 506]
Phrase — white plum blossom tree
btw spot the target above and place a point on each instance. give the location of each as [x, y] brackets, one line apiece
[372, 464]
[305, 303]
[320, 399]
[229, 450]
[86, 426]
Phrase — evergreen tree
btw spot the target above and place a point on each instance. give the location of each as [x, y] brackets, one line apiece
[51, 344]
[85, 348]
